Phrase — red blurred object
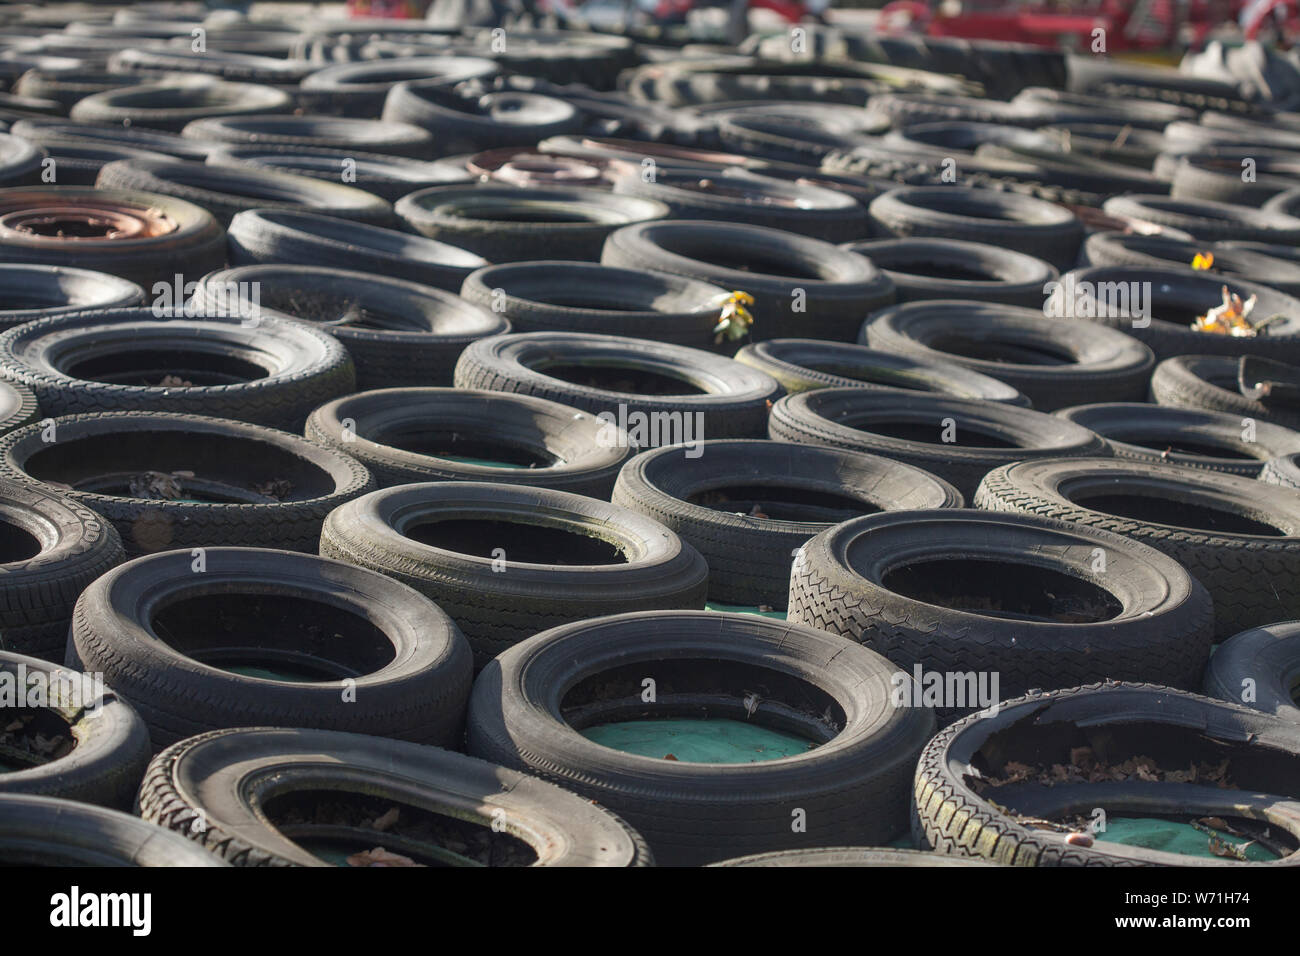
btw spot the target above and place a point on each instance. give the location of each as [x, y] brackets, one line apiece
[1127, 25]
[388, 9]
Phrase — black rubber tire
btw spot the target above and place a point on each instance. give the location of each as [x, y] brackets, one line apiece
[469, 123]
[261, 369]
[78, 164]
[1285, 204]
[283, 237]
[18, 406]
[46, 831]
[59, 547]
[168, 105]
[1238, 260]
[1054, 362]
[498, 608]
[850, 788]
[843, 417]
[812, 211]
[1210, 221]
[1184, 293]
[227, 191]
[54, 132]
[567, 449]
[514, 223]
[1118, 719]
[67, 87]
[1283, 471]
[928, 268]
[237, 67]
[781, 270]
[854, 856]
[359, 89]
[383, 659]
[1205, 176]
[1260, 669]
[1245, 546]
[195, 245]
[328, 132]
[1127, 82]
[1138, 113]
[405, 333]
[910, 109]
[866, 580]
[749, 555]
[110, 743]
[565, 296]
[800, 365]
[728, 400]
[1210, 382]
[388, 177]
[237, 456]
[1009, 220]
[1192, 438]
[184, 791]
[21, 163]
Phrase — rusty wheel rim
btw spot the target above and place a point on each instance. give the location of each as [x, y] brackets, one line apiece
[88, 222]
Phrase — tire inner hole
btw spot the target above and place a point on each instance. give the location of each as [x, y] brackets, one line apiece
[1040, 742]
[17, 544]
[620, 378]
[328, 308]
[783, 503]
[994, 350]
[277, 636]
[874, 374]
[462, 446]
[929, 269]
[964, 436]
[1182, 446]
[515, 541]
[153, 465]
[334, 825]
[1023, 592]
[180, 368]
[714, 693]
[32, 736]
[1158, 509]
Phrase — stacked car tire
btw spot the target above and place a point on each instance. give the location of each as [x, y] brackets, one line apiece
[404, 407]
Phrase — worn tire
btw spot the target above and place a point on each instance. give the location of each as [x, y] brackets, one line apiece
[237, 455]
[1244, 546]
[935, 268]
[1009, 220]
[1120, 719]
[802, 287]
[533, 592]
[221, 779]
[110, 743]
[398, 333]
[331, 623]
[749, 556]
[801, 365]
[852, 787]
[1188, 437]
[866, 579]
[910, 429]
[267, 370]
[1053, 362]
[728, 400]
[398, 432]
[287, 237]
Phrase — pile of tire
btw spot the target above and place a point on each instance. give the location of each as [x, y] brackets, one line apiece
[404, 406]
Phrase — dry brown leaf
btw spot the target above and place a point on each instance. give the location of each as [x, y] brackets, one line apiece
[380, 857]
